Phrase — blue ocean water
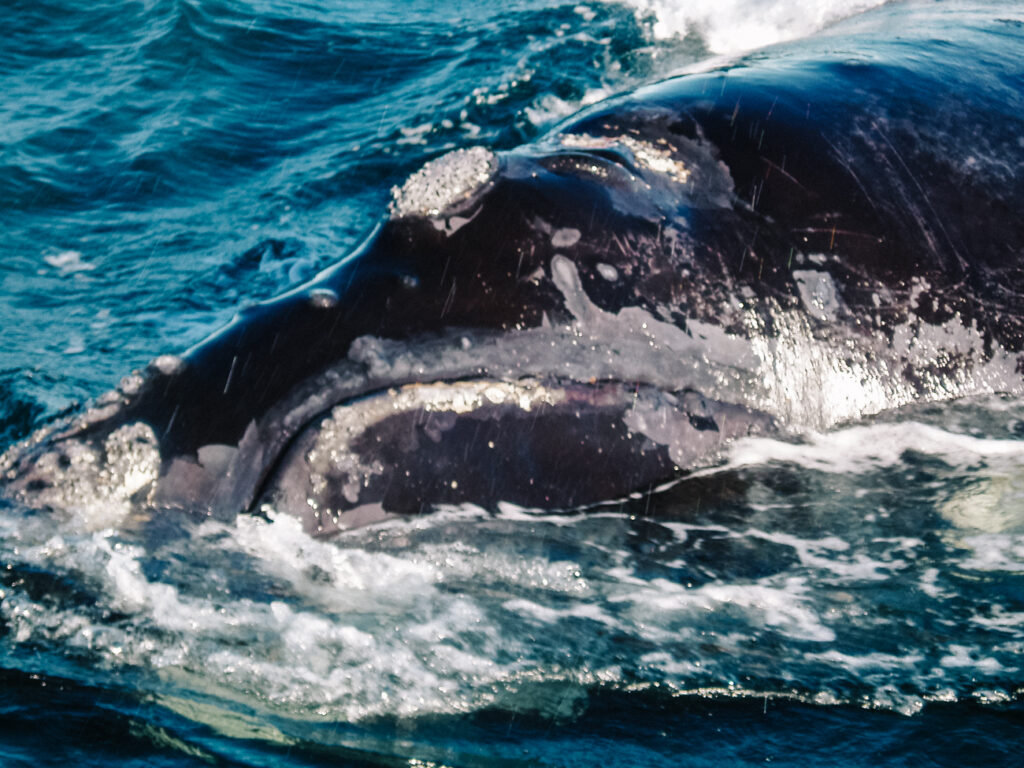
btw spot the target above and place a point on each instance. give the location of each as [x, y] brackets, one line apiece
[859, 602]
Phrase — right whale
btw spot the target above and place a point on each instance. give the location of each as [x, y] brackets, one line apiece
[805, 235]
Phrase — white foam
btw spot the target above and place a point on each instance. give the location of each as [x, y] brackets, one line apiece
[68, 262]
[667, 665]
[861, 448]
[549, 108]
[1001, 620]
[874, 661]
[338, 579]
[549, 615]
[460, 610]
[891, 698]
[660, 606]
[732, 26]
[445, 614]
[995, 552]
[928, 583]
[962, 656]
[416, 134]
[824, 555]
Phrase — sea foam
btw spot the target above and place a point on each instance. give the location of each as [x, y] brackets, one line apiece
[733, 26]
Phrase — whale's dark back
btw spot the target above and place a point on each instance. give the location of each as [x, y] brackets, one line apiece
[894, 144]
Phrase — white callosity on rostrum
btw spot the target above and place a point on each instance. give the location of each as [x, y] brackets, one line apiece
[443, 182]
[95, 482]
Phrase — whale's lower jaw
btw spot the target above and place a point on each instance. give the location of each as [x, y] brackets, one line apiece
[537, 444]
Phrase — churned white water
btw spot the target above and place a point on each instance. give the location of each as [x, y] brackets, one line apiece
[732, 26]
[799, 585]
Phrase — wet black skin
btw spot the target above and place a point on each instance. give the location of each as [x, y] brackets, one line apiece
[895, 173]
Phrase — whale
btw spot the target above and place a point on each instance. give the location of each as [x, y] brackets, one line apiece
[779, 242]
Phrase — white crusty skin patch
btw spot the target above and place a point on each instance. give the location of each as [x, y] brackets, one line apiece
[443, 182]
[654, 158]
[96, 484]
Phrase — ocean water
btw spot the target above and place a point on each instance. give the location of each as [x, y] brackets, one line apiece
[852, 598]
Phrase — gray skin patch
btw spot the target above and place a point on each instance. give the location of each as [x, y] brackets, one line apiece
[565, 238]
[818, 293]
